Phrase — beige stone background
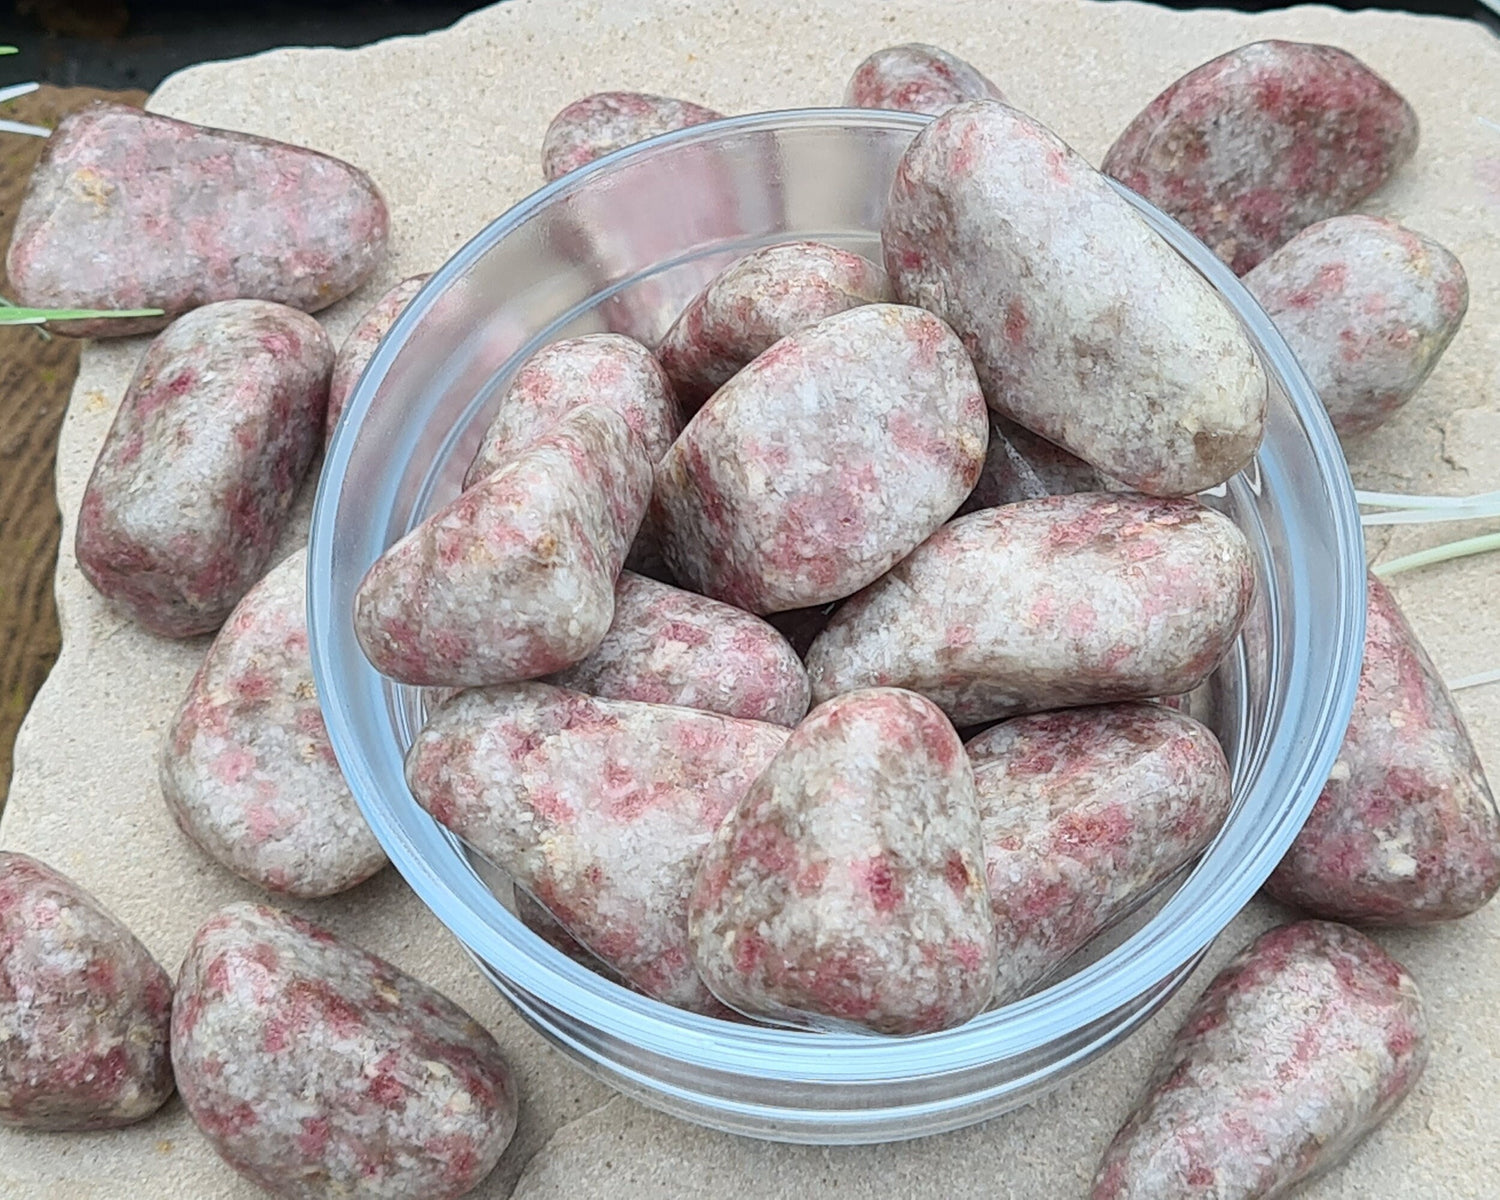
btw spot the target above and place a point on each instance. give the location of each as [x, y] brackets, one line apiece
[450, 125]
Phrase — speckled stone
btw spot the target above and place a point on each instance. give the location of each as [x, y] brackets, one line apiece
[597, 125]
[769, 503]
[754, 303]
[916, 78]
[1368, 307]
[1083, 812]
[252, 219]
[599, 808]
[247, 768]
[847, 888]
[450, 124]
[1083, 325]
[84, 1009]
[668, 646]
[317, 1070]
[195, 482]
[516, 577]
[1259, 143]
[1406, 831]
[599, 368]
[1298, 1048]
[1048, 603]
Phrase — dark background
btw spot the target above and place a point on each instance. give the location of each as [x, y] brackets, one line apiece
[137, 43]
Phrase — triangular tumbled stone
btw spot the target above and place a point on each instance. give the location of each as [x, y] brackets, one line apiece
[599, 808]
[847, 889]
[515, 579]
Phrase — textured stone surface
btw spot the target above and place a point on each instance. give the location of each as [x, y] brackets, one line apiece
[823, 462]
[1368, 307]
[317, 1069]
[250, 218]
[594, 126]
[1083, 812]
[1301, 1046]
[599, 808]
[1250, 148]
[1083, 324]
[756, 301]
[516, 577]
[195, 482]
[916, 78]
[247, 768]
[1064, 600]
[1406, 830]
[846, 889]
[84, 1008]
[599, 368]
[451, 125]
[668, 646]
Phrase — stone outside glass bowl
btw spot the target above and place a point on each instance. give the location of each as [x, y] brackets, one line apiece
[622, 244]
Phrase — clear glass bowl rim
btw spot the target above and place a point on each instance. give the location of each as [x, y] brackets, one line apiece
[1150, 956]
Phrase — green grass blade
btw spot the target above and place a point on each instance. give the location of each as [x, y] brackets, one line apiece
[7, 302]
[35, 316]
[1437, 554]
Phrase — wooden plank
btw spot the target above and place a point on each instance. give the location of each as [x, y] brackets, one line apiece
[36, 376]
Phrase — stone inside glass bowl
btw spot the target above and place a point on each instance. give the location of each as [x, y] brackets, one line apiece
[622, 245]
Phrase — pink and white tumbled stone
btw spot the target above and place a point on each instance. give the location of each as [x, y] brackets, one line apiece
[515, 578]
[599, 124]
[847, 888]
[1257, 144]
[1050, 603]
[824, 462]
[1298, 1049]
[1368, 307]
[1084, 324]
[315, 1069]
[247, 768]
[84, 1009]
[195, 480]
[754, 303]
[598, 368]
[1084, 813]
[668, 646]
[1405, 831]
[131, 209]
[599, 808]
[916, 77]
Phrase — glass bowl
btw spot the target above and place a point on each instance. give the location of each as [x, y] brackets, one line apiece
[623, 244]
